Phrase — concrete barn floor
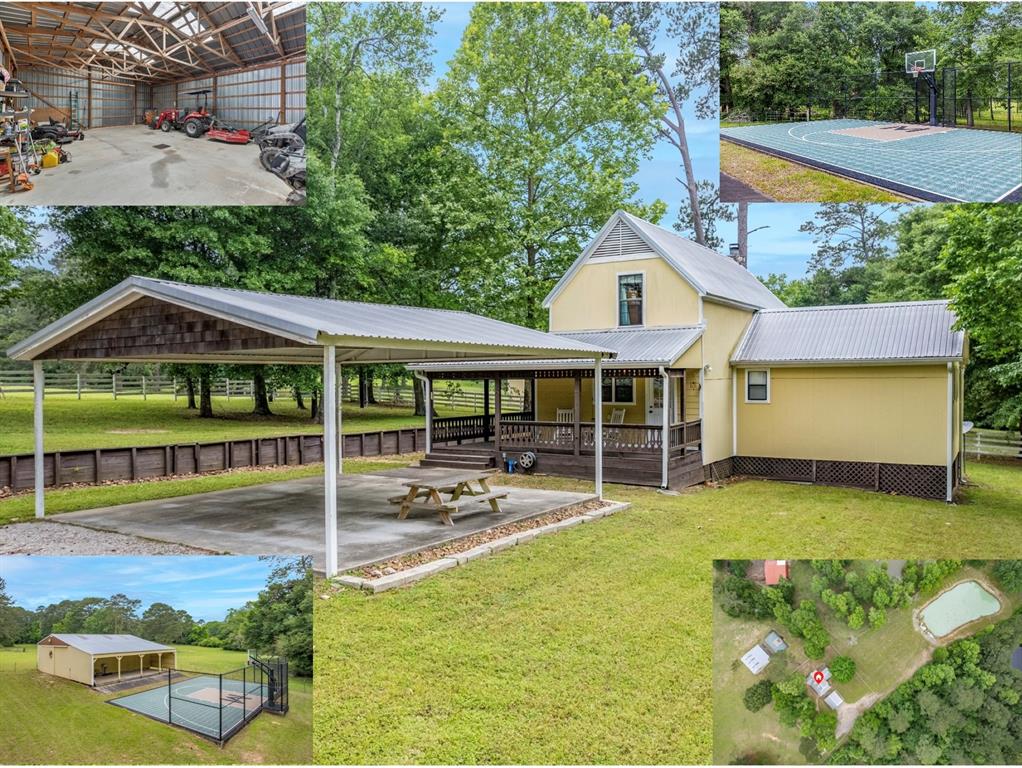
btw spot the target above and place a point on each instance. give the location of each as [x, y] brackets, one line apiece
[287, 518]
[121, 166]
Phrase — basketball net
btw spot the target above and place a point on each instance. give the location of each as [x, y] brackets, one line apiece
[916, 71]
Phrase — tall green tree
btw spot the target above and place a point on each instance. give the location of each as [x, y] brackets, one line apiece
[9, 624]
[552, 104]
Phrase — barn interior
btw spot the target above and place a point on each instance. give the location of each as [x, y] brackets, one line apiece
[152, 103]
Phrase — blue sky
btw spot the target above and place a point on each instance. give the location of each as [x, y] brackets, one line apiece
[781, 248]
[206, 586]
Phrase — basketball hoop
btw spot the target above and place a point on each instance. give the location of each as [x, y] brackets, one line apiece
[916, 71]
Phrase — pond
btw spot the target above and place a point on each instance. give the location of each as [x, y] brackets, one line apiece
[958, 606]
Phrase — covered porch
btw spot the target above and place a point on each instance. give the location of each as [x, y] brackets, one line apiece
[647, 439]
[114, 667]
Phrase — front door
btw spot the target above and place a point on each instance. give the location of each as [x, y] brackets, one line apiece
[655, 400]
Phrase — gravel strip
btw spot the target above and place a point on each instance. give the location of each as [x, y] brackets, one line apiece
[46, 538]
[472, 541]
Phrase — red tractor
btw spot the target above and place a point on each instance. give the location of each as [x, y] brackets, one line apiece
[194, 123]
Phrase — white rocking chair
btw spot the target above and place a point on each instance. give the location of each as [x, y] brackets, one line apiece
[565, 434]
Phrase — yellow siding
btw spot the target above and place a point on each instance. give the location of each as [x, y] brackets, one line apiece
[65, 662]
[589, 300]
[724, 327]
[892, 414]
[552, 394]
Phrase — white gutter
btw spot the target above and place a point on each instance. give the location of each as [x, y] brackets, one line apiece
[665, 449]
[950, 430]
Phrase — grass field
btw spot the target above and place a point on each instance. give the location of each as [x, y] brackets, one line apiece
[48, 720]
[594, 645]
[98, 421]
[884, 658]
[789, 182]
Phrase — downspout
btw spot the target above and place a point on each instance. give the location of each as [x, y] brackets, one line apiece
[427, 396]
[961, 423]
[734, 412]
[950, 431]
[665, 448]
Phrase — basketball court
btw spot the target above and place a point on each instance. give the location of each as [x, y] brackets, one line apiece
[925, 159]
[214, 706]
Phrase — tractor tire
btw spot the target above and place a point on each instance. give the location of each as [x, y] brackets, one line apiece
[165, 126]
[194, 129]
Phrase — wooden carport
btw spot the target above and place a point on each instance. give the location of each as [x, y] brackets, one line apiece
[148, 320]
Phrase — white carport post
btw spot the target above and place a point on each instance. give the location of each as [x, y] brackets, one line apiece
[330, 456]
[340, 421]
[598, 426]
[665, 448]
[38, 382]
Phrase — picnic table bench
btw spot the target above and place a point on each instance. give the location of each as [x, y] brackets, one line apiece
[458, 484]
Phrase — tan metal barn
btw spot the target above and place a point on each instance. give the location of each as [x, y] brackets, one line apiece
[96, 659]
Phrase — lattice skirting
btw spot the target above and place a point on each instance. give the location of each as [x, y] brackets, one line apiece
[924, 480]
[719, 470]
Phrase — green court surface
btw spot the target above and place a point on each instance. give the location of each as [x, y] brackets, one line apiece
[928, 163]
[214, 706]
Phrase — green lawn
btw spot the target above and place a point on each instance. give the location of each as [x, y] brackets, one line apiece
[789, 182]
[49, 720]
[98, 421]
[594, 645]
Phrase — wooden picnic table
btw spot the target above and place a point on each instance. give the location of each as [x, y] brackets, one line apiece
[457, 483]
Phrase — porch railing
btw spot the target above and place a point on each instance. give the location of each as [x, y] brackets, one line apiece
[460, 428]
[519, 431]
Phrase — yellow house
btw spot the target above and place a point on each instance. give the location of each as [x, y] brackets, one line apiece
[98, 659]
[867, 396]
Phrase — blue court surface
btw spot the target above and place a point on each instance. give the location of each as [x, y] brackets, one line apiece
[200, 704]
[928, 163]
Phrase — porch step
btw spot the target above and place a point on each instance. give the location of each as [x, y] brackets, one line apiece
[458, 460]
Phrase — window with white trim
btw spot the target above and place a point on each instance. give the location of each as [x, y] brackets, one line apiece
[618, 391]
[757, 386]
[630, 290]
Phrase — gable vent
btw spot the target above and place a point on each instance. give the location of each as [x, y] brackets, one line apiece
[622, 240]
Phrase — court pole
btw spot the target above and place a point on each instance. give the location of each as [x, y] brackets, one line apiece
[170, 718]
[220, 709]
[1009, 97]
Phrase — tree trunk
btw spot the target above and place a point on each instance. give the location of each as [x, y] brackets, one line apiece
[419, 389]
[363, 399]
[299, 400]
[205, 395]
[743, 234]
[190, 385]
[370, 392]
[314, 413]
[262, 403]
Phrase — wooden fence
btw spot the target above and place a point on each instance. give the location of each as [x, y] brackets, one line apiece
[118, 385]
[102, 465]
[1000, 445]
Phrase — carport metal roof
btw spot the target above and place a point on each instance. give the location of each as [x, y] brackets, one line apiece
[152, 41]
[147, 320]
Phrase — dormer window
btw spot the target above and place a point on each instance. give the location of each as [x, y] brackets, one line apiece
[630, 290]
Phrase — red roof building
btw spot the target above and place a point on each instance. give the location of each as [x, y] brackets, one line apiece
[774, 571]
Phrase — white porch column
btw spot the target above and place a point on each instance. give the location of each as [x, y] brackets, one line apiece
[427, 396]
[340, 422]
[38, 383]
[118, 667]
[950, 431]
[665, 402]
[598, 426]
[330, 456]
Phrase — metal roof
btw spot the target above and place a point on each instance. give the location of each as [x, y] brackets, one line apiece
[756, 659]
[711, 274]
[369, 332]
[634, 347]
[834, 700]
[916, 331]
[99, 644]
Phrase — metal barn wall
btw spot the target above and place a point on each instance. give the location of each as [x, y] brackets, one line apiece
[52, 85]
[162, 96]
[112, 99]
[295, 92]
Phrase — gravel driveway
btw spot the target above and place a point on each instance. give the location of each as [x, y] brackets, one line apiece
[46, 538]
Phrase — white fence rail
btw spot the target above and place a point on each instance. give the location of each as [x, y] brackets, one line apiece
[995, 444]
[117, 385]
